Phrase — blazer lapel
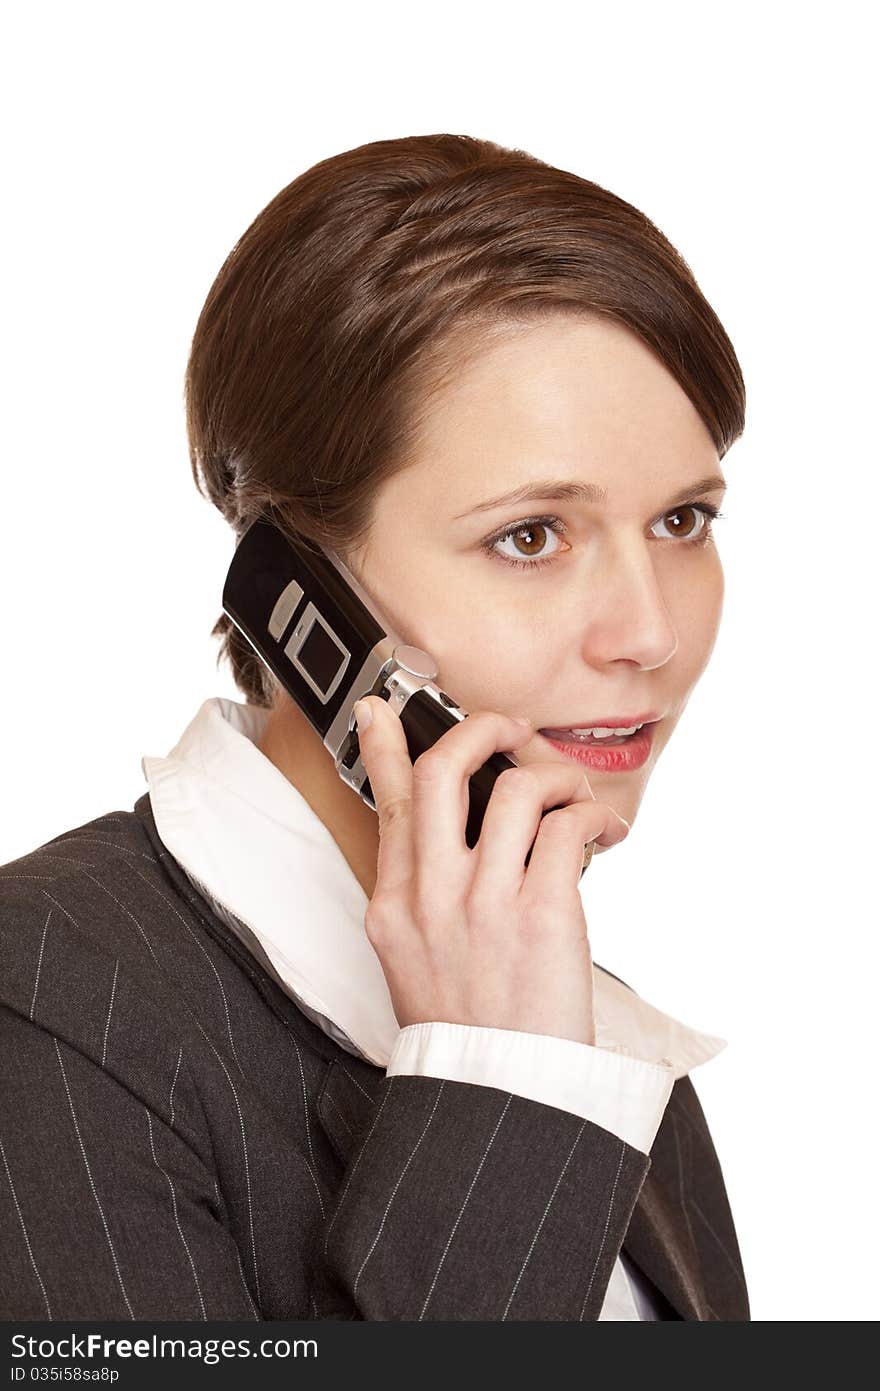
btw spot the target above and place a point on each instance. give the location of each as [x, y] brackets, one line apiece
[346, 1103]
[659, 1244]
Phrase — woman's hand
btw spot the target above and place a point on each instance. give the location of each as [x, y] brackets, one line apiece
[468, 935]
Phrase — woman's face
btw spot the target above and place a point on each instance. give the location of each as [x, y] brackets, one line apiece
[621, 619]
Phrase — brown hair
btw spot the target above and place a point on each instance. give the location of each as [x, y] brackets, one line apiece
[366, 282]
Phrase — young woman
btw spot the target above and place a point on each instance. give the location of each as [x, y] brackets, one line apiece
[267, 1054]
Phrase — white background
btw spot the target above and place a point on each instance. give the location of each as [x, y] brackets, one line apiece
[140, 143]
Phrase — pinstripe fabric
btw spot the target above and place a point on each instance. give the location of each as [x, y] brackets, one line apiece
[179, 1141]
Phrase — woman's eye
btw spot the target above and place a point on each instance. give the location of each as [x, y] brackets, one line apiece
[693, 521]
[529, 539]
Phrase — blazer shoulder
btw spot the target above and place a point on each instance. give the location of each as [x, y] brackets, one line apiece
[113, 836]
[66, 895]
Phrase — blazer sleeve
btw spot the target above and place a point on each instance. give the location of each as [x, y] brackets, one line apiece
[468, 1202]
[623, 1094]
[105, 1210]
[460, 1202]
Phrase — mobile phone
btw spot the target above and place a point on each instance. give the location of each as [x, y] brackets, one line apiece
[315, 627]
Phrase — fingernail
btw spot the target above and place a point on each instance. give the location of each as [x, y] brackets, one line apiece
[363, 714]
[521, 719]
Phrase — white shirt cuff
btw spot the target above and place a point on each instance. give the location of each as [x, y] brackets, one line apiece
[623, 1095]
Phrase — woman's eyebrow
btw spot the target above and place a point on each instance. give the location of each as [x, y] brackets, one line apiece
[563, 490]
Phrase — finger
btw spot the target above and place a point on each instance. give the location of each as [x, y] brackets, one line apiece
[441, 798]
[513, 816]
[556, 861]
[386, 759]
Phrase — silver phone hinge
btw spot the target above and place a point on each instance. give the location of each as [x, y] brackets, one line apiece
[411, 670]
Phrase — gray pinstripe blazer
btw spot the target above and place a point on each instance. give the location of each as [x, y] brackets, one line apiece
[179, 1141]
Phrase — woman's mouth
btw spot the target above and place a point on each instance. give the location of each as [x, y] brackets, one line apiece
[612, 755]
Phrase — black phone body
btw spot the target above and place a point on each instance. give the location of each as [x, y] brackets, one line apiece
[316, 628]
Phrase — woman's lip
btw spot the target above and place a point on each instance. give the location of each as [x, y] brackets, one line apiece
[615, 723]
[617, 758]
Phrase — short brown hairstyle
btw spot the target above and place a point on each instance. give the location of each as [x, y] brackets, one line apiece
[366, 282]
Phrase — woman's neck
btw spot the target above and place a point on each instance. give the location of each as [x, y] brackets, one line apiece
[297, 751]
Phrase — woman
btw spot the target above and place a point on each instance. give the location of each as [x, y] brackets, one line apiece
[269, 1055]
